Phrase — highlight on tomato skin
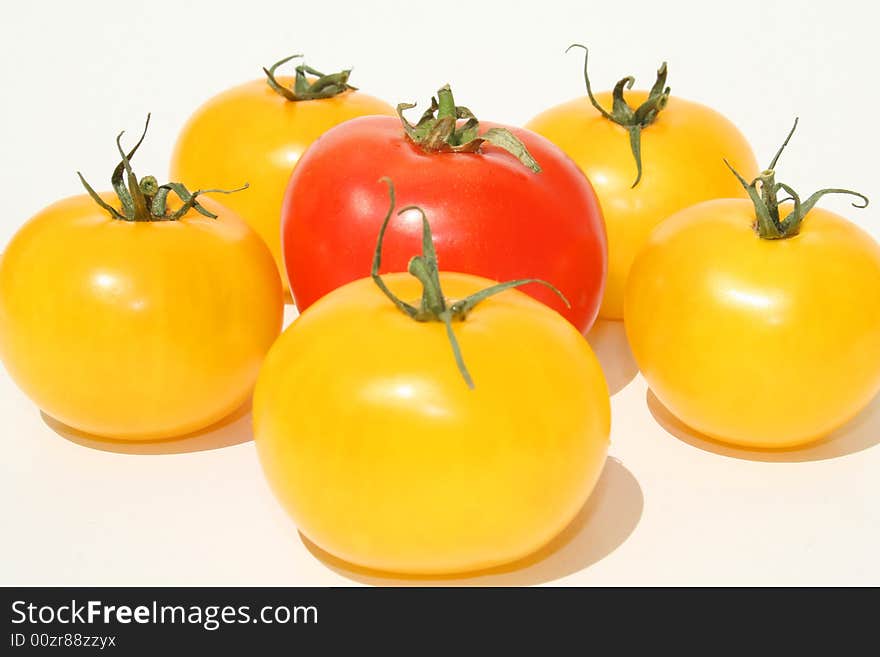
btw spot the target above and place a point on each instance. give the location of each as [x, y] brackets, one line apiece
[139, 314]
[262, 128]
[757, 323]
[403, 437]
[504, 203]
[648, 154]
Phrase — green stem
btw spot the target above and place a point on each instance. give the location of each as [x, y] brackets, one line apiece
[146, 199]
[304, 88]
[138, 208]
[434, 306]
[633, 120]
[446, 103]
[438, 130]
[764, 194]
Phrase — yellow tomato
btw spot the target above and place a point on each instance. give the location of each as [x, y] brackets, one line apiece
[757, 342]
[136, 329]
[385, 458]
[252, 134]
[682, 164]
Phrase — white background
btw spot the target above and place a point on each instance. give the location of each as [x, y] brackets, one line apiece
[670, 508]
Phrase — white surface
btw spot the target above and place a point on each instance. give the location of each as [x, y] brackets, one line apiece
[670, 508]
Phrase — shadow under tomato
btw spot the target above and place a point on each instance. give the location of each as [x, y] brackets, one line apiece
[607, 519]
[234, 429]
[608, 339]
[861, 433]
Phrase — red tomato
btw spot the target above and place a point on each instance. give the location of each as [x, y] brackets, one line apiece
[492, 216]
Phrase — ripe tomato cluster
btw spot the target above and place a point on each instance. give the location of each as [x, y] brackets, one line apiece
[436, 407]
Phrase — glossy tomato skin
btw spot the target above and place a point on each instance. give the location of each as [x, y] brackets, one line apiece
[136, 330]
[252, 134]
[385, 458]
[682, 160]
[760, 343]
[490, 215]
